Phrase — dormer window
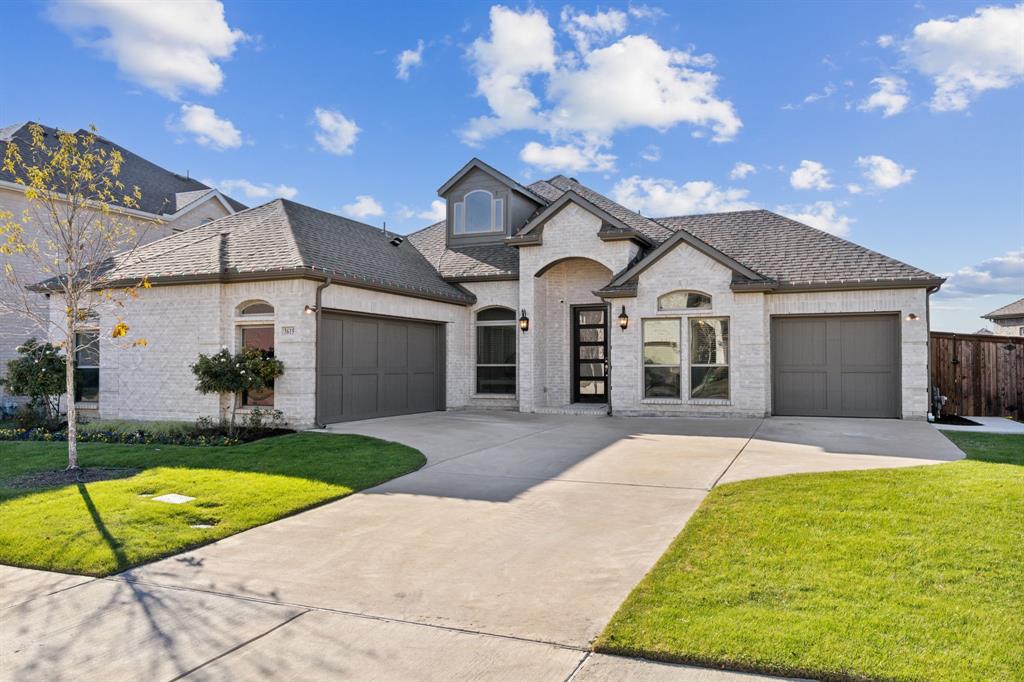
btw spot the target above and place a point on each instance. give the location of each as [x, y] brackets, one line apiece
[479, 213]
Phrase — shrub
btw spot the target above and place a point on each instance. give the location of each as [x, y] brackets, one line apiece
[153, 428]
[39, 373]
[226, 374]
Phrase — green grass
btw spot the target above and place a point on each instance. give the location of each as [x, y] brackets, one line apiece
[107, 526]
[900, 574]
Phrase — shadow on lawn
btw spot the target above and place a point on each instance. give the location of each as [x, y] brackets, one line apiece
[101, 527]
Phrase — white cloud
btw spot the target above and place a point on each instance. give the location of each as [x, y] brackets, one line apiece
[252, 190]
[651, 152]
[646, 12]
[967, 56]
[826, 92]
[884, 173]
[891, 96]
[599, 27]
[336, 133]
[822, 215]
[435, 213]
[654, 87]
[566, 157]
[408, 60]
[208, 129]
[364, 206]
[998, 275]
[854, 188]
[659, 197]
[810, 175]
[885, 41]
[741, 170]
[166, 46]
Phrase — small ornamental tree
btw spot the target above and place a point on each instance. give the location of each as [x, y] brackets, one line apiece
[39, 373]
[229, 375]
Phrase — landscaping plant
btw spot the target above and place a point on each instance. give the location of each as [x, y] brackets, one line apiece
[229, 375]
[38, 373]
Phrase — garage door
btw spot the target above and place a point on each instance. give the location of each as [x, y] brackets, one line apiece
[378, 367]
[836, 366]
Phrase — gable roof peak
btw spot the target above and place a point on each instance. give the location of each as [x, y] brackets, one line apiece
[476, 163]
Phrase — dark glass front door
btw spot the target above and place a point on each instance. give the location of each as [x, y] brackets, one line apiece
[590, 354]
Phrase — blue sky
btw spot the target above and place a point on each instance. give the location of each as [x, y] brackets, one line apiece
[897, 125]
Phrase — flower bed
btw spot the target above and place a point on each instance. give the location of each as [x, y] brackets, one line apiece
[213, 437]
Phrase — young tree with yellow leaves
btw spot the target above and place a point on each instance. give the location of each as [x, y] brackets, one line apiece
[77, 225]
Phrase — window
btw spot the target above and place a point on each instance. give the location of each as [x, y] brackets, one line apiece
[257, 308]
[684, 300]
[478, 213]
[496, 351]
[87, 366]
[709, 358]
[661, 358]
[260, 337]
[1020, 331]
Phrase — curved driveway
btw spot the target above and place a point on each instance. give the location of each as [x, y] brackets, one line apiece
[502, 558]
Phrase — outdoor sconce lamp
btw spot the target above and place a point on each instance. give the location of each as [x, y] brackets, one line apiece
[524, 321]
[623, 319]
[911, 317]
[309, 310]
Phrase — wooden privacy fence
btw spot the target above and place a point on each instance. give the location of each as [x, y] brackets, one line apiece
[981, 375]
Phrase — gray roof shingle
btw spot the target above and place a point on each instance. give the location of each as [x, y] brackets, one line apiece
[1015, 309]
[283, 236]
[480, 261]
[160, 187]
[790, 252]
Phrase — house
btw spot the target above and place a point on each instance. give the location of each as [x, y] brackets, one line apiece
[1008, 320]
[547, 297]
[169, 203]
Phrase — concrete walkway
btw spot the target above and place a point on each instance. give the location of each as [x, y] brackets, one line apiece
[987, 425]
[502, 558]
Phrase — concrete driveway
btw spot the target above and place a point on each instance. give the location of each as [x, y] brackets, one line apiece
[501, 559]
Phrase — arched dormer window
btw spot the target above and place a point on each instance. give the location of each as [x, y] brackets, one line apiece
[684, 300]
[479, 213]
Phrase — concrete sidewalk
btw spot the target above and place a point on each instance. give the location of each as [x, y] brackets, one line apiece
[502, 558]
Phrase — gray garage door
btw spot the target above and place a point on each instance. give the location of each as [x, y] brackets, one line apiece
[836, 366]
[379, 367]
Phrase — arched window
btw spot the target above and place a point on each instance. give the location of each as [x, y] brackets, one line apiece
[258, 333]
[257, 308]
[684, 300]
[496, 351]
[479, 212]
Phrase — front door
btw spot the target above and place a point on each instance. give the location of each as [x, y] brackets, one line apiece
[590, 354]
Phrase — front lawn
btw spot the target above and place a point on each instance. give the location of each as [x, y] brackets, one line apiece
[107, 526]
[902, 574]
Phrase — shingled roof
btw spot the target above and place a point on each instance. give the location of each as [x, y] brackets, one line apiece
[792, 253]
[1015, 309]
[163, 192]
[285, 239]
[474, 262]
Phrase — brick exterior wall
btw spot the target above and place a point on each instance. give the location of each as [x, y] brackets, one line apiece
[1010, 326]
[14, 330]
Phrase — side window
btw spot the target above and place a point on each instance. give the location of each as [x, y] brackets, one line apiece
[661, 358]
[257, 331]
[496, 351]
[87, 366]
[709, 358]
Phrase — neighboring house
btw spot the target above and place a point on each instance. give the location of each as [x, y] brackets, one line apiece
[542, 298]
[1008, 320]
[170, 203]
[984, 331]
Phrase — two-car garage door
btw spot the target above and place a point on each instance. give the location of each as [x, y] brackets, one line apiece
[378, 367]
[836, 366]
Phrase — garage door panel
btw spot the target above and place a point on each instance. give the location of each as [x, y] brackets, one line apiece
[376, 367]
[845, 366]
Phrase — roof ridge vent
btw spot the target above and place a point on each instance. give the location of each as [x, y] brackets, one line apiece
[397, 240]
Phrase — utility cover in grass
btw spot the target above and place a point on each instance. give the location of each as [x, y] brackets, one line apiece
[173, 498]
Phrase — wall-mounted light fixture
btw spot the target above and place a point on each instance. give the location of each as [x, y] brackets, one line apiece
[911, 317]
[309, 309]
[524, 321]
[623, 319]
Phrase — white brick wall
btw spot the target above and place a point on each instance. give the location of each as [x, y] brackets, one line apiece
[1010, 326]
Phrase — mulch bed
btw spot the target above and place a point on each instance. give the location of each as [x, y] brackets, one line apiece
[54, 479]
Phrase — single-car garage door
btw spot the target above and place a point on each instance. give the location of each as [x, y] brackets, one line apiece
[836, 366]
[378, 367]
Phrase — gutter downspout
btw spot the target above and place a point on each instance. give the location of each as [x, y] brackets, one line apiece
[316, 352]
[928, 349]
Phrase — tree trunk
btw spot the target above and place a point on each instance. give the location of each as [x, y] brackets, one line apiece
[69, 370]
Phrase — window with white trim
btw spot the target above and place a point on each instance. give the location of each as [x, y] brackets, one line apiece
[709, 358]
[496, 351]
[684, 300]
[661, 357]
[256, 330]
[87, 366]
[479, 212]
